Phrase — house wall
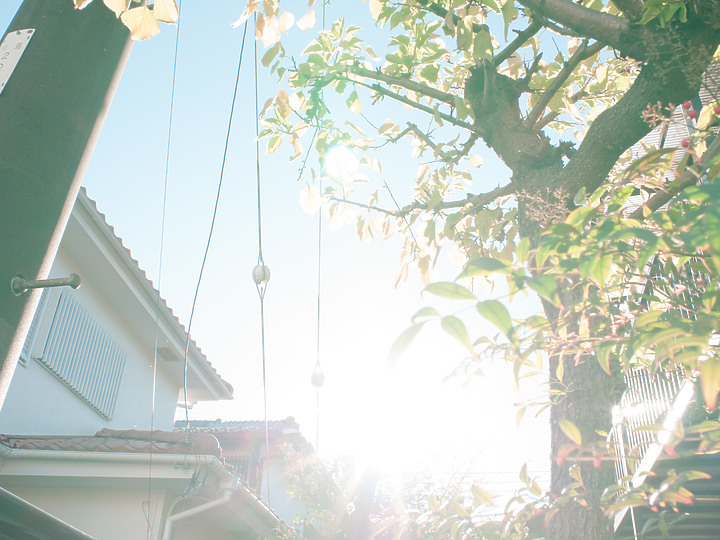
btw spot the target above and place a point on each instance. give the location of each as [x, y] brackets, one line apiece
[38, 402]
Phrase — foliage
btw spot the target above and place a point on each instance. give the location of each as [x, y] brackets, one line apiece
[559, 103]
[142, 19]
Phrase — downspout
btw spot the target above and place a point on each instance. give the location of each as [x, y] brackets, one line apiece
[168, 534]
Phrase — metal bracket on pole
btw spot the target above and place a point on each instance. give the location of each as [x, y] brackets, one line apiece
[20, 285]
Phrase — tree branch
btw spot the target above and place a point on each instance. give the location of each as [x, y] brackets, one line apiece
[402, 99]
[408, 84]
[420, 135]
[587, 22]
[367, 207]
[518, 42]
[688, 178]
[583, 53]
[545, 120]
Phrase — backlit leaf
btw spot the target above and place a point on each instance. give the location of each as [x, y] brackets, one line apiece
[403, 342]
[117, 6]
[166, 11]
[495, 312]
[456, 328]
[307, 21]
[710, 381]
[449, 289]
[141, 22]
[546, 287]
[571, 430]
[249, 10]
[482, 266]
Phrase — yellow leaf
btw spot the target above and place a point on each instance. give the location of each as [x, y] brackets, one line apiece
[249, 10]
[310, 199]
[375, 8]
[307, 21]
[166, 11]
[271, 8]
[117, 6]
[707, 115]
[297, 147]
[267, 30]
[81, 4]
[141, 22]
[476, 161]
[286, 21]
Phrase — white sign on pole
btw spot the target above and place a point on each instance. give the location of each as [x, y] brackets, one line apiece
[11, 49]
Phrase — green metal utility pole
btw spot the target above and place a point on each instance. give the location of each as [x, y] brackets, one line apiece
[67, 65]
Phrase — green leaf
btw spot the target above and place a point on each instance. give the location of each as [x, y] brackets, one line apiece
[603, 357]
[271, 54]
[456, 328]
[426, 312]
[546, 287]
[508, 13]
[482, 266]
[430, 73]
[403, 342]
[522, 250]
[449, 289]
[710, 381]
[482, 46]
[571, 430]
[495, 312]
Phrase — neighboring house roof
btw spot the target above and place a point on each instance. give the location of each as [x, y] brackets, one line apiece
[171, 351]
[240, 439]
[227, 504]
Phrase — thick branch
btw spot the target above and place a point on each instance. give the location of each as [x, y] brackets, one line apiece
[583, 53]
[408, 84]
[688, 178]
[632, 9]
[672, 79]
[587, 22]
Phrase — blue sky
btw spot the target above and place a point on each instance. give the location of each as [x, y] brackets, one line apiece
[364, 405]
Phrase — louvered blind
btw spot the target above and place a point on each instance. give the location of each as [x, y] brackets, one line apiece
[81, 353]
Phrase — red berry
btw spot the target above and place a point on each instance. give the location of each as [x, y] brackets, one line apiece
[692, 114]
[596, 462]
[686, 105]
[716, 110]
[685, 143]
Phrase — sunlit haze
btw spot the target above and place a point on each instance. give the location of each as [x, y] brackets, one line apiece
[411, 415]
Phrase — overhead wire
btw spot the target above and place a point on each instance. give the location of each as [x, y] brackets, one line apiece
[148, 515]
[318, 378]
[261, 273]
[210, 233]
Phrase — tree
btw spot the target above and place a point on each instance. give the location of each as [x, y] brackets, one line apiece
[627, 62]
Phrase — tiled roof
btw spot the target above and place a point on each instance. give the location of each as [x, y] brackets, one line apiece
[124, 441]
[288, 425]
[143, 277]
[241, 439]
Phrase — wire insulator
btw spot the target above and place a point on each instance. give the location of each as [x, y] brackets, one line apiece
[261, 274]
[318, 378]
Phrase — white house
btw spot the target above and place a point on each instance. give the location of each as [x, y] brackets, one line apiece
[76, 439]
